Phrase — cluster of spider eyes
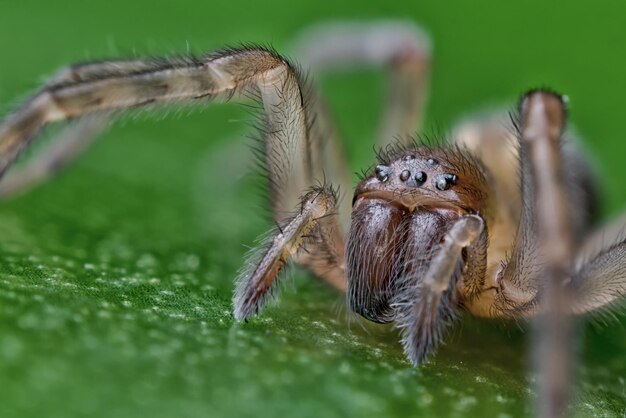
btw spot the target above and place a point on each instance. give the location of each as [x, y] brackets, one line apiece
[442, 182]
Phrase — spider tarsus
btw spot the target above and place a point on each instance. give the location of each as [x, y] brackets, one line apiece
[547, 104]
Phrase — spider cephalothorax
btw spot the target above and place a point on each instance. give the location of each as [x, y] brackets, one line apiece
[494, 222]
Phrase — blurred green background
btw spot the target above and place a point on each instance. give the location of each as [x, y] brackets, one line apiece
[116, 277]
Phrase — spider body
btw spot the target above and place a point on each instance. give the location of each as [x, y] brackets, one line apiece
[496, 221]
[402, 212]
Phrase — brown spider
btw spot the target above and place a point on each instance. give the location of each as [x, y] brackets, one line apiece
[496, 222]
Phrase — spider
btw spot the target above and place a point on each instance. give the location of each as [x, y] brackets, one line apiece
[495, 222]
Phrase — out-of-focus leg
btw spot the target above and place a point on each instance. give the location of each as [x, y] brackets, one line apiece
[66, 147]
[543, 118]
[398, 46]
[599, 280]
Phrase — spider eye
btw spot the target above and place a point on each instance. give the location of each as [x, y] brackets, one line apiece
[382, 172]
[404, 176]
[445, 181]
[420, 178]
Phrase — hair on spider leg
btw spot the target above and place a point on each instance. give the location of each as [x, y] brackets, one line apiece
[514, 118]
[288, 282]
[354, 318]
[159, 112]
[341, 311]
[603, 317]
[424, 324]
[248, 308]
[253, 256]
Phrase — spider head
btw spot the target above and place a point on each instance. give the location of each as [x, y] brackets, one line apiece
[399, 213]
[418, 178]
